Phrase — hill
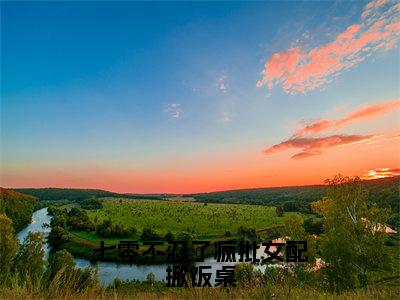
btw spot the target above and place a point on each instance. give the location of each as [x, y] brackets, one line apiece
[384, 192]
[55, 194]
[18, 207]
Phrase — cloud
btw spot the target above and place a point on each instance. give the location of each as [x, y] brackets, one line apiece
[311, 146]
[222, 86]
[298, 70]
[360, 114]
[226, 117]
[380, 173]
[175, 110]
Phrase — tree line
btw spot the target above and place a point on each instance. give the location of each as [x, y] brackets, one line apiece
[385, 193]
[56, 194]
[17, 206]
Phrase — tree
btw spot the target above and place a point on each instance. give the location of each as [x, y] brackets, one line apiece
[313, 226]
[149, 234]
[29, 262]
[394, 221]
[8, 246]
[247, 232]
[79, 220]
[293, 227]
[294, 230]
[59, 220]
[57, 237]
[169, 236]
[151, 279]
[60, 261]
[352, 244]
[62, 273]
[279, 211]
[18, 207]
[244, 274]
[188, 237]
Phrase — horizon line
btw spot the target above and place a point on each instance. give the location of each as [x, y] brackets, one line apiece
[214, 191]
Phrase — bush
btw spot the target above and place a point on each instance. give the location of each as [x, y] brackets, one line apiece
[312, 226]
[394, 221]
[149, 234]
[57, 236]
[247, 232]
[29, 262]
[64, 277]
[279, 211]
[79, 220]
[107, 229]
[246, 276]
[150, 279]
[169, 236]
[60, 260]
[296, 206]
[91, 203]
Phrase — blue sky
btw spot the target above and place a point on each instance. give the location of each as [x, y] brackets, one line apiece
[167, 88]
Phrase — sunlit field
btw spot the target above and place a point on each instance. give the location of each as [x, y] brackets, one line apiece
[198, 218]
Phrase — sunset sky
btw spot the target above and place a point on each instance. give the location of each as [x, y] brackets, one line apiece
[189, 97]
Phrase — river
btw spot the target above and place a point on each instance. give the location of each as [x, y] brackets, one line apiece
[108, 271]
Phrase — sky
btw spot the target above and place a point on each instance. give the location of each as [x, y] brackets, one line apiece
[186, 97]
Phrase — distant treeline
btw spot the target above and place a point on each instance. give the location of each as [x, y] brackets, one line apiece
[55, 194]
[18, 207]
[384, 193]
[292, 198]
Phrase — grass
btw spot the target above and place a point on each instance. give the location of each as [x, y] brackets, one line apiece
[180, 199]
[207, 222]
[60, 290]
[91, 236]
[203, 220]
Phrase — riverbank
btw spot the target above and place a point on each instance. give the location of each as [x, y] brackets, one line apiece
[110, 270]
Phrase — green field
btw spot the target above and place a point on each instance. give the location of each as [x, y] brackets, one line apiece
[198, 218]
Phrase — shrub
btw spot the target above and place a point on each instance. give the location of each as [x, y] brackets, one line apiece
[107, 229]
[91, 203]
[57, 236]
[169, 236]
[313, 226]
[149, 234]
[246, 276]
[247, 232]
[279, 211]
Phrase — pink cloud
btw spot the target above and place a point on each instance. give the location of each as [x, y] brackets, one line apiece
[301, 71]
[311, 146]
[360, 114]
[380, 173]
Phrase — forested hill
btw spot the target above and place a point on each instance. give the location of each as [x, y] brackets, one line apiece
[55, 194]
[18, 207]
[385, 192]
[294, 198]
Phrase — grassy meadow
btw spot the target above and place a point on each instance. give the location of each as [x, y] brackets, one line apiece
[198, 218]
[205, 221]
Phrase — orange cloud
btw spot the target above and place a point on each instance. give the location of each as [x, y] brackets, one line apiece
[301, 71]
[360, 114]
[317, 145]
[380, 173]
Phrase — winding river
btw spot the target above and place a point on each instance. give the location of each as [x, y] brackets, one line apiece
[108, 271]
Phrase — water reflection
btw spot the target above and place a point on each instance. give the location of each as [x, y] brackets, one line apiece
[39, 219]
